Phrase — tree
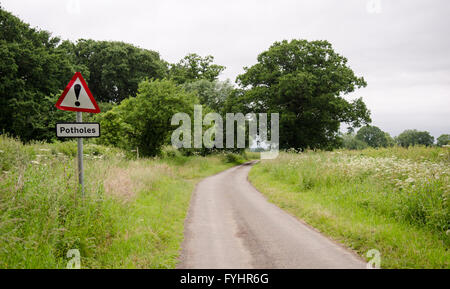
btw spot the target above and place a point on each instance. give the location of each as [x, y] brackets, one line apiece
[112, 129]
[116, 68]
[33, 71]
[350, 142]
[144, 121]
[443, 140]
[412, 137]
[194, 67]
[373, 136]
[389, 139]
[211, 93]
[305, 82]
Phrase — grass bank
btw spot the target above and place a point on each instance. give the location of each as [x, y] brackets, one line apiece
[394, 200]
[131, 216]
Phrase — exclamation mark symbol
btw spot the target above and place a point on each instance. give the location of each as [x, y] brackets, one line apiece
[77, 89]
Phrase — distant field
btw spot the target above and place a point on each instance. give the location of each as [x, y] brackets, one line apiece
[394, 200]
[132, 215]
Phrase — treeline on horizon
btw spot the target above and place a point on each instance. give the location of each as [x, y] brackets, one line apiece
[139, 92]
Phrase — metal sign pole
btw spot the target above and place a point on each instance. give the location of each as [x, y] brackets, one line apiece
[80, 156]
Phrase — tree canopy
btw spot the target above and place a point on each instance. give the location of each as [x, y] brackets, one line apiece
[36, 67]
[411, 137]
[212, 94]
[194, 67]
[33, 69]
[144, 121]
[116, 68]
[373, 136]
[443, 140]
[305, 82]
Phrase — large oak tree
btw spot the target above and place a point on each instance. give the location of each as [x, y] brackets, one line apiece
[305, 82]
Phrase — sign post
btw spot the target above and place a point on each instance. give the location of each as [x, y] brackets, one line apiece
[80, 156]
[77, 97]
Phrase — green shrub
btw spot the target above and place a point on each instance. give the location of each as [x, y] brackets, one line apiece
[170, 152]
[233, 158]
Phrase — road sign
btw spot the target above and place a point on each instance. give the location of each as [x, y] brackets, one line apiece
[77, 96]
[78, 129]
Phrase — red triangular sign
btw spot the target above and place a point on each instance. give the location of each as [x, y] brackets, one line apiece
[77, 96]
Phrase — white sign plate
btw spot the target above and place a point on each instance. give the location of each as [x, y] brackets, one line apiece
[78, 129]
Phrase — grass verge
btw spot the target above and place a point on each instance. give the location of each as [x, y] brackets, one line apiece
[131, 216]
[395, 201]
[151, 229]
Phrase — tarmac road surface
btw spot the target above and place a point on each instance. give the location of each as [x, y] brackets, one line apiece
[232, 225]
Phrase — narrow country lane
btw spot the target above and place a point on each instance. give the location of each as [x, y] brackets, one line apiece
[231, 225]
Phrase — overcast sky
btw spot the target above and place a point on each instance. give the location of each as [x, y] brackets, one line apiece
[401, 47]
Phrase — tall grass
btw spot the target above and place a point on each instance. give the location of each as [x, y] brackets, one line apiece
[394, 200]
[151, 234]
[413, 153]
[131, 216]
[42, 214]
